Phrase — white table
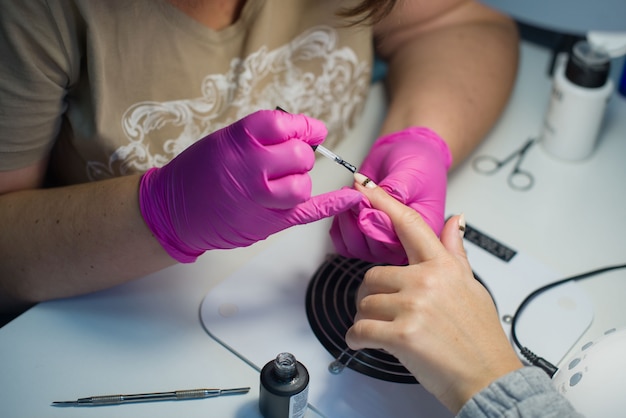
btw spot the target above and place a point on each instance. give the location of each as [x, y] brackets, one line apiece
[146, 335]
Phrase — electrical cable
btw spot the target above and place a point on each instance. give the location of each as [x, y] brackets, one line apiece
[532, 358]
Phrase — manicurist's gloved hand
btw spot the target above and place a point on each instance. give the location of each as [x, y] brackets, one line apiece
[411, 165]
[239, 185]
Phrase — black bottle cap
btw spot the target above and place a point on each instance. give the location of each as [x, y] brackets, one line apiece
[587, 66]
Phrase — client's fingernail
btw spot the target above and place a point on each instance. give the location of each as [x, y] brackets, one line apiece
[364, 181]
[462, 225]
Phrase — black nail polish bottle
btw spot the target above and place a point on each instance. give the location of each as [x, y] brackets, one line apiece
[284, 388]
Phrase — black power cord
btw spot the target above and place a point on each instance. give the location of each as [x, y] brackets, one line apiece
[532, 358]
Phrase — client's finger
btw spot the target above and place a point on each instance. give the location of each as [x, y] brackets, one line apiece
[418, 239]
[452, 236]
[370, 333]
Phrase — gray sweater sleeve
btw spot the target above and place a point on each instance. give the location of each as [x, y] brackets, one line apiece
[524, 393]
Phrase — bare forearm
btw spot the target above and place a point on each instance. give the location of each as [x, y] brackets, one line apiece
[454, 79]
[71, 240]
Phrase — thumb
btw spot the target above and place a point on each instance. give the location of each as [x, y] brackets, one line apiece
[452, 236]
[377, 225]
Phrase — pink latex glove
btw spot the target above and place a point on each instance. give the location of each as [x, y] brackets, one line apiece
[412, 166]
[239, 185]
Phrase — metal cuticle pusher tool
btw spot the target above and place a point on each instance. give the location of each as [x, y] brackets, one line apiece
[178, 395]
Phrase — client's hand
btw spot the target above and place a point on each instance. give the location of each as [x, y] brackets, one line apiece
[238, 186]
[432, 315]
[411, 165]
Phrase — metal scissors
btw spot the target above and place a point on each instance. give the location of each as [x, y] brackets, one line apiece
[518, 179]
